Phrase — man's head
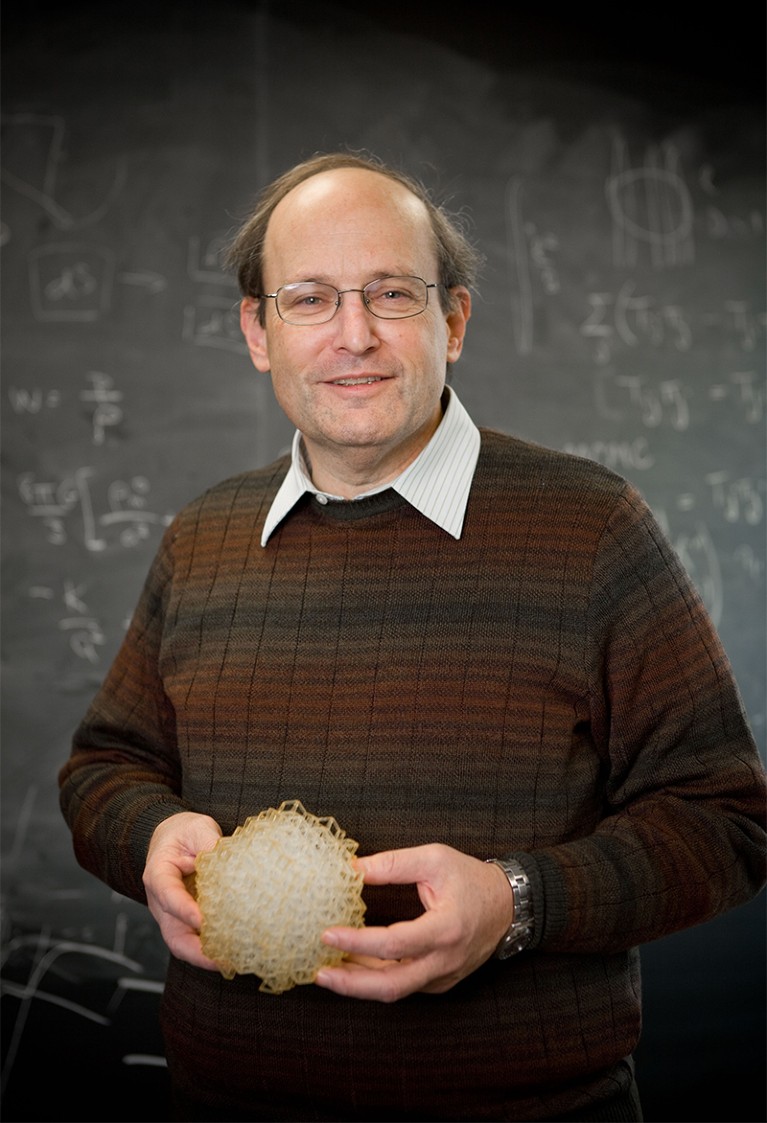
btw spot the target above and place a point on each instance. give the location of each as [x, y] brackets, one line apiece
[363, 379]
[458, 262]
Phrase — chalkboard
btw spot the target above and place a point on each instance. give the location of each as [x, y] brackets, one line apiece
[614, 179]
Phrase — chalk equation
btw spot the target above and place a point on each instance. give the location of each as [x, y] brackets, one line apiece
[630, 319]
[739, 499]
[102, 400]
[105, 403]
[669, 402]
[654, 217]
[81, 626]
[57, 503]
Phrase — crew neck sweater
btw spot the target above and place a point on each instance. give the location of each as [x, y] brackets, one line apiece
[549, 686]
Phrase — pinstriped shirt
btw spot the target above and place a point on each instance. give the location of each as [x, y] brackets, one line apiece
[437, 483]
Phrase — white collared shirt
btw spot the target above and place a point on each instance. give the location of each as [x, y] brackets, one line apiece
[437, 483]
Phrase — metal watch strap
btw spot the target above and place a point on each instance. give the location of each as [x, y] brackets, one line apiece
[521, 931]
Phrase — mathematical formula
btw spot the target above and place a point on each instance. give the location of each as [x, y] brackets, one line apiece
[60, 504]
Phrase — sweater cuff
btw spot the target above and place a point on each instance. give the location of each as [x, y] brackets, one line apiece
[548, 896]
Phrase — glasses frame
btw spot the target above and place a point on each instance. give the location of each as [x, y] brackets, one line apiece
[341, 292]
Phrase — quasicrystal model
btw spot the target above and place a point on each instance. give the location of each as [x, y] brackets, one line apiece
[268, 891]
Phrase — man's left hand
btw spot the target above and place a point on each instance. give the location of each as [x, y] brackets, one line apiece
[468, 908]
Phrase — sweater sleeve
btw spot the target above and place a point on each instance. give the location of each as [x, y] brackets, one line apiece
[683, 835]
[122, 777]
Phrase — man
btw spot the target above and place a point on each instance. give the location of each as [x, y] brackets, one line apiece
[461, 646]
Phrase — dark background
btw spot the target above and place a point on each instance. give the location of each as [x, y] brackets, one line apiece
[610, 164]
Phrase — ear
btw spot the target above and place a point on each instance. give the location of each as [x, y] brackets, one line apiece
[255, 334]
[457, 319]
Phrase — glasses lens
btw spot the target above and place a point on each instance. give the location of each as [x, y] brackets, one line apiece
[395, 298]
[306, 302]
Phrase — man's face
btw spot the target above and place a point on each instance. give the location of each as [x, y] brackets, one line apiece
[346, 228]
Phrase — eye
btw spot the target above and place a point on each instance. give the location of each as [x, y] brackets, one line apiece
[396, 294]
[306, 297]
[392, 295]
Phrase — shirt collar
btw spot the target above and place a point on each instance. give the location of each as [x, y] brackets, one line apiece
[437, 483]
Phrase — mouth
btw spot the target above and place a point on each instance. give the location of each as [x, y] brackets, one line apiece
[364, 380]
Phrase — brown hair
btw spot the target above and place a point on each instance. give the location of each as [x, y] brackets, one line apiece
[458, 262]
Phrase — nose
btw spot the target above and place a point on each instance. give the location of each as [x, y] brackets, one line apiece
[355, 326]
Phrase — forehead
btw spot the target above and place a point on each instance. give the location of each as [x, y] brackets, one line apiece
[348, 221]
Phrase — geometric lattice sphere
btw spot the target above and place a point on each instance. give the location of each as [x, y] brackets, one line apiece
[268, 892]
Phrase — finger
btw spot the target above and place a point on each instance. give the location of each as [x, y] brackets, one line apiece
[407, 939]
[386, 983]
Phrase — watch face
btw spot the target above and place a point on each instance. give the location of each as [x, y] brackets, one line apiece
[514, 942]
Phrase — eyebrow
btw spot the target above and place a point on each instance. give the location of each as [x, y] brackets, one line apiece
[379, 275]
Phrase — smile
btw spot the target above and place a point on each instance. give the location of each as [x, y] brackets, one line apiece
[356, 381]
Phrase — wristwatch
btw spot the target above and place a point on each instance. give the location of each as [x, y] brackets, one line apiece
[520, 933]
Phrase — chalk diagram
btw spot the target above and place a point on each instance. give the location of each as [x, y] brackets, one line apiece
[70, 280]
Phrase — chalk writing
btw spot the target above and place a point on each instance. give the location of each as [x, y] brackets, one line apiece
[744, 387]
[633, 319]
[744, 322]
[752, 565]
[106, 400]
[74, 282]
[53, 503]
[37, 143]
[623, 396]
[33, 401]
[721, 225]
[650, 205]
[669, 401]
[204, 261]
[740, 500]
[522, 285]
[149, 281]
[48, 952]
[214, 322]
[70, 281]
[622, 456]
[543, 247]
[83, 629]
[211, 320]
[698, 554]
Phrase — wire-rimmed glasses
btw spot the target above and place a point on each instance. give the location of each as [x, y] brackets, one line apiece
[312, 302]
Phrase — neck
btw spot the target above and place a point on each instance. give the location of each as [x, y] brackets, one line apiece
[349, 470]
[353, 471]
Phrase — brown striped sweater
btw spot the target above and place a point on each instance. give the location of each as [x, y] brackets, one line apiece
[548, 686]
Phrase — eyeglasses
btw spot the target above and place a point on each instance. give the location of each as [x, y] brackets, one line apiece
[390, 298]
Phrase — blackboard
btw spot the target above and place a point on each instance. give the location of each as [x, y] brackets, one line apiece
[614, 178]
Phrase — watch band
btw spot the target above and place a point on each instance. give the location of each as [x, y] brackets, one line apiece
[520, 933]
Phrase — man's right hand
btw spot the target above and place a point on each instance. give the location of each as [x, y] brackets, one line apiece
[174, 846]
